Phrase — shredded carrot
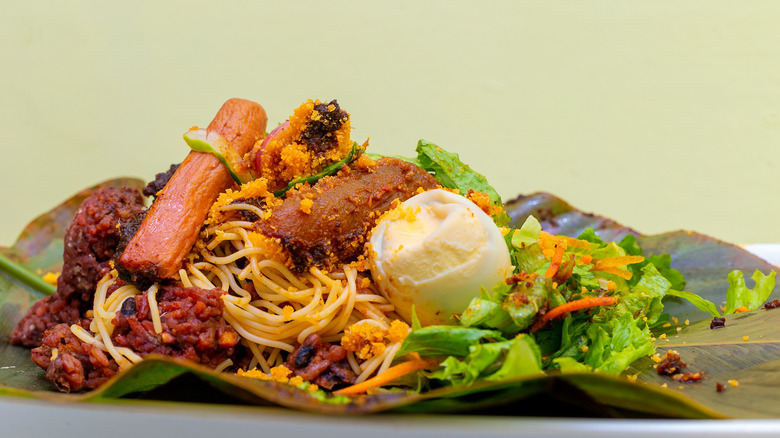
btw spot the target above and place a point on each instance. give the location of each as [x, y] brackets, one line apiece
[388, 376]
[577, 243]
[547, 243]
[586, 259]
[580, 304]
[617, 271]
[613, 262]
[556, 260]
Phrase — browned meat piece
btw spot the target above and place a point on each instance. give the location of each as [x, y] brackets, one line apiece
[322, 363]
[318, 135]
[90, 242]
[193, 329]
[718, 322]
[70, 364]
[328, 223]
[160, 180]
[671, 365]
[774, 304]
[166, 235]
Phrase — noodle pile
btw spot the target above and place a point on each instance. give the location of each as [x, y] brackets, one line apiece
[272, 308]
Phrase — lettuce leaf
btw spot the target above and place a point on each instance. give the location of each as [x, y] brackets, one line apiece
[445, 340]
[527, 234]
[661, 262]
[453, 174]
[516, 357]
[617, 343]
[645, 298]
[702, 304]
[739, 294]
[488, 313]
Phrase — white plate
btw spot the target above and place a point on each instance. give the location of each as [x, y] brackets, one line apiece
[128, 419]
[767, 251]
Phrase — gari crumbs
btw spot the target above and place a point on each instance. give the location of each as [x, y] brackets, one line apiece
[51, 277]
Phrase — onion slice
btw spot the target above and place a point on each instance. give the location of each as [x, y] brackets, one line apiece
[211, 142]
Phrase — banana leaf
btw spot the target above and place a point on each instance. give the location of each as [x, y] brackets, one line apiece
[704, 261]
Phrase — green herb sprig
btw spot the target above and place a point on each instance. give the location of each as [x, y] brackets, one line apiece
[329, 170]
[20, 273]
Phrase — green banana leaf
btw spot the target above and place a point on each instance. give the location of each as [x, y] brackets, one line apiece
[746, 351]
[721, 353]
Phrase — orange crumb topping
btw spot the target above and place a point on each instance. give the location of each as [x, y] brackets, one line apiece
[306, 205]
[257, 188]
[286, 157]
[367, 340]
[51, 277]
[279, 374]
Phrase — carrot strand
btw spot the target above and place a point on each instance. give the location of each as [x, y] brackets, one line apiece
[388, 376]
[612, 262]
[576, 243]
[583, 303]
[556, 260]
[617, 271]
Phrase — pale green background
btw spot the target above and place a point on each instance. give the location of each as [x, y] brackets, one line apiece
[661, 115]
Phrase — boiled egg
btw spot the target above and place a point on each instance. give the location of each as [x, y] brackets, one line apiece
[435, 252]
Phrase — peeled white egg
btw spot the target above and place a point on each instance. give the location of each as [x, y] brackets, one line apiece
[435, 252]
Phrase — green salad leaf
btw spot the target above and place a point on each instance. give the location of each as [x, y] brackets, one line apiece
[527, 234]
[739, 295]
[699, 302]
[452, 173]
[444, 340]
[517, 357]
